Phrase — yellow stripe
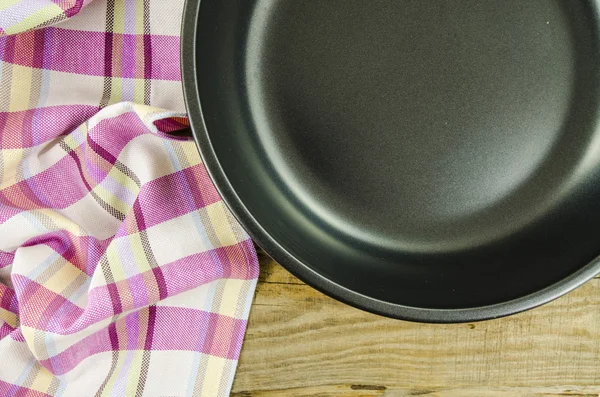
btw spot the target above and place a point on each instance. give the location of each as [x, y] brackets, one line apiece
[214, 373]
[11, 159]
[138, 252]
[70, 141]
[37, 18]
[9, 318]
[20, 89]
[139, 17]
[62, 278]
[8, 3]
[232, 290]
[119, 15]
[218, 218]
[112, 200]
[138, 90]
[108, 391]
[114, 261]
[124, 180]
[60, 221]
[29, 336]
[191, 153]
[42, 380]
[133, 375]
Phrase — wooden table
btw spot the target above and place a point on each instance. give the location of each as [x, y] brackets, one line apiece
[301, 343]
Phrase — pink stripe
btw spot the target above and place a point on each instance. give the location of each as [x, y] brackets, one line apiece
[8, 389]
[35, 305]
[51, 122]
[83, 252]
[63, 184]
[138, 285]
[198, 269]
[192, 324]
[8, 301]
[168, 197]
[7, 211]
[6, 259]
[9, 48]
[115, 133]
[82, 52]
[44, 309]
[192, 327]
[57, 187]
[129, 55]
[171, 124]
[17, 335]
[71, 7]
[132, 325]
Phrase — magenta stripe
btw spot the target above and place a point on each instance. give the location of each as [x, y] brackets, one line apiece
[95, 56]
[100, 150]
[38, 48]
[9, 48]
[108, 49]
[5, 330]
[112, 335]
[8, 389]
[151, 326]
[192, 327]
[161, 283]
[115, 299]
[74, 8]
[139, 216]
[148, 56]
[51, 122]
[170, 124]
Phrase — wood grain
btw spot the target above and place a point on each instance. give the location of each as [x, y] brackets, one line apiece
[302, 343]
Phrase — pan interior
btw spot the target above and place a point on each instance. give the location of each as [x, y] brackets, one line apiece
[430, 154]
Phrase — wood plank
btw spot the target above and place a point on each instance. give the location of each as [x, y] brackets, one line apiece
[302, 343]
[380, 391]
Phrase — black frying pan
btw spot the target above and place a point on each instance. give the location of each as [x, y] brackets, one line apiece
[426, 160]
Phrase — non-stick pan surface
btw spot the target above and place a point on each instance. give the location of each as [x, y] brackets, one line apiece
[427, 160]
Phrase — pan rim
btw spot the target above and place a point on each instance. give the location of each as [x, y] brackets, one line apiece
[302, 270]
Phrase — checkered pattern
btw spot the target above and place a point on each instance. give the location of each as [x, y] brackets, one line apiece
[121, 271]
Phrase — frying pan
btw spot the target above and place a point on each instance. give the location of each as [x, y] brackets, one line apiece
[434, 161]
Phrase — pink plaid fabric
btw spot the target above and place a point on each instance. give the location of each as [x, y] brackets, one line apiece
[122, 273]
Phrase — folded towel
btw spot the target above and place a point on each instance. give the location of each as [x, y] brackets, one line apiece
[122, 273]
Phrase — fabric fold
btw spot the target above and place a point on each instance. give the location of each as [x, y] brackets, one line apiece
[122, 272]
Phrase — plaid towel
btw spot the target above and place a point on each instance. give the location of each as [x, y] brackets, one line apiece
[121, 271]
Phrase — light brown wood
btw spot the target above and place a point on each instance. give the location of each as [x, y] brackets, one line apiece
[302, 343]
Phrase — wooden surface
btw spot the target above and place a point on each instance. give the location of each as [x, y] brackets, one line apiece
[301, 343]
